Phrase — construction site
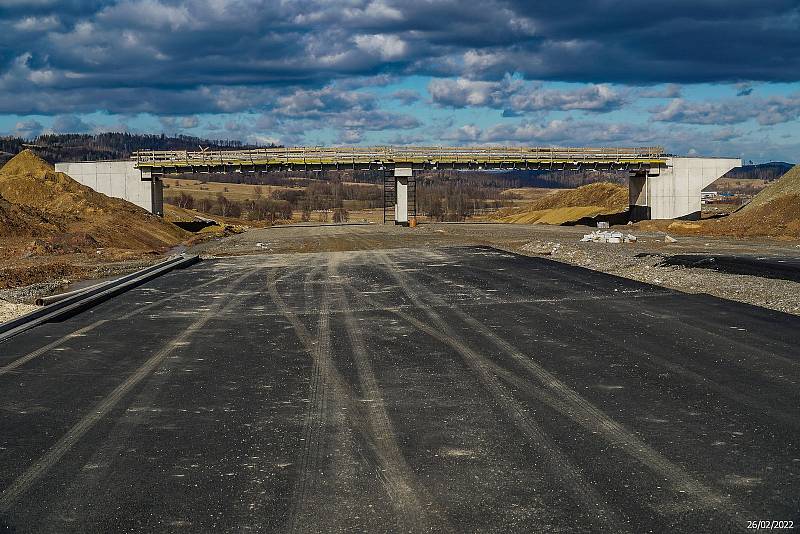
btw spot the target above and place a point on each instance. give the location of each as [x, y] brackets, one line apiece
[239, 341]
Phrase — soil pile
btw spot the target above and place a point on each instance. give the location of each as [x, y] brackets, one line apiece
[786, 185]
[776, 217]
[570, 206]
[72, 216]
[22, 221]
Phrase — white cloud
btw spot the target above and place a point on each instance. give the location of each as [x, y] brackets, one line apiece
[37, 24]
[770, 110]
[519, 96]
[387, 47]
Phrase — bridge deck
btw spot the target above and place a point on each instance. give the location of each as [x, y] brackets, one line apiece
[459, 157]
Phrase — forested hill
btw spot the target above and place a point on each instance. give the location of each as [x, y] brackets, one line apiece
[104, 146]
[762, 171]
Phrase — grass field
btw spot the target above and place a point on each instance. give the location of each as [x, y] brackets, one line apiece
[198, 189]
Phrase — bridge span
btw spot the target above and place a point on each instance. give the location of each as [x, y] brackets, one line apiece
[417, 158]
[661, 186]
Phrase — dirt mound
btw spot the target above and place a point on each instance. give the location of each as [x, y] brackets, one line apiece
[604, 194]
[22, 221]
[788, 184]
[570, 206]
[777, 217]
[80, 217]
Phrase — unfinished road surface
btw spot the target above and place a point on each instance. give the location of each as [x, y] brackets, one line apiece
[453, 389]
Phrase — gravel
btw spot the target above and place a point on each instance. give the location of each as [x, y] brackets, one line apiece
[621, 260]
[10, 310]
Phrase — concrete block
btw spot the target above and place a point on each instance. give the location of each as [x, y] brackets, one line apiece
[119, 179]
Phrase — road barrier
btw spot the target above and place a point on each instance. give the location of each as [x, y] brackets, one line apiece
[76, 301]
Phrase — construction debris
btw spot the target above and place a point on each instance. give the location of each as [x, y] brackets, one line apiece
[605, 236]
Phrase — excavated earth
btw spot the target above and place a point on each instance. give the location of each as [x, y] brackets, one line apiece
[53, 229]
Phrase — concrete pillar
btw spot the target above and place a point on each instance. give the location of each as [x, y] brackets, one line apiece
[672, 191]
[401, 176]
[157, 189]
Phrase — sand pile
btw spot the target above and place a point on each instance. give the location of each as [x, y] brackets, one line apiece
[72, 216]
[570, 206]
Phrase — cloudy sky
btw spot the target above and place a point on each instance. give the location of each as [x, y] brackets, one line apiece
[715, 77]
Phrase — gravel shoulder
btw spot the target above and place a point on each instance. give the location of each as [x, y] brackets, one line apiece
[10, 310]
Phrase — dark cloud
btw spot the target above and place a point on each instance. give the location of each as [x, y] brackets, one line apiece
[134, 52]
[744, 89]
[299, 71]
[686, 41]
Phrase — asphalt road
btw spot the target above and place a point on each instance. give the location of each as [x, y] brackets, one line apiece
[455, 389]
[781, 267]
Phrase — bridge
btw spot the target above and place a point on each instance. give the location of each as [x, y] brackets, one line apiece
[418, 158]
[662, 186]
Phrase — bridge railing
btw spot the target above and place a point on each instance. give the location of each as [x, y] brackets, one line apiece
[344, 155]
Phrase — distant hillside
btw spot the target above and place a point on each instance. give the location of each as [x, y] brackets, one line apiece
[762, 171]
[85, 147]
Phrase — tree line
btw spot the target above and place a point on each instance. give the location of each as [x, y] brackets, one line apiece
[111, 145]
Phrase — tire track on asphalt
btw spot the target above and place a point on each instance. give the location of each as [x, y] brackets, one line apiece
[314, 420]
[308, 281]
[88, 481]
[327, 384]
[401, 484]
[19, 362]
[50, 346]
[699, 325]
[559, 396]
[560, 467]
[39, 468]
[645, 354]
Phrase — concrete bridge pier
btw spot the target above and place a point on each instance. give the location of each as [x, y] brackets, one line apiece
[672, 190]
[402, 176]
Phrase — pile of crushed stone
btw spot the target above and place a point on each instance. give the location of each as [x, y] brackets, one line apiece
[570, 206]
[70, 217]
